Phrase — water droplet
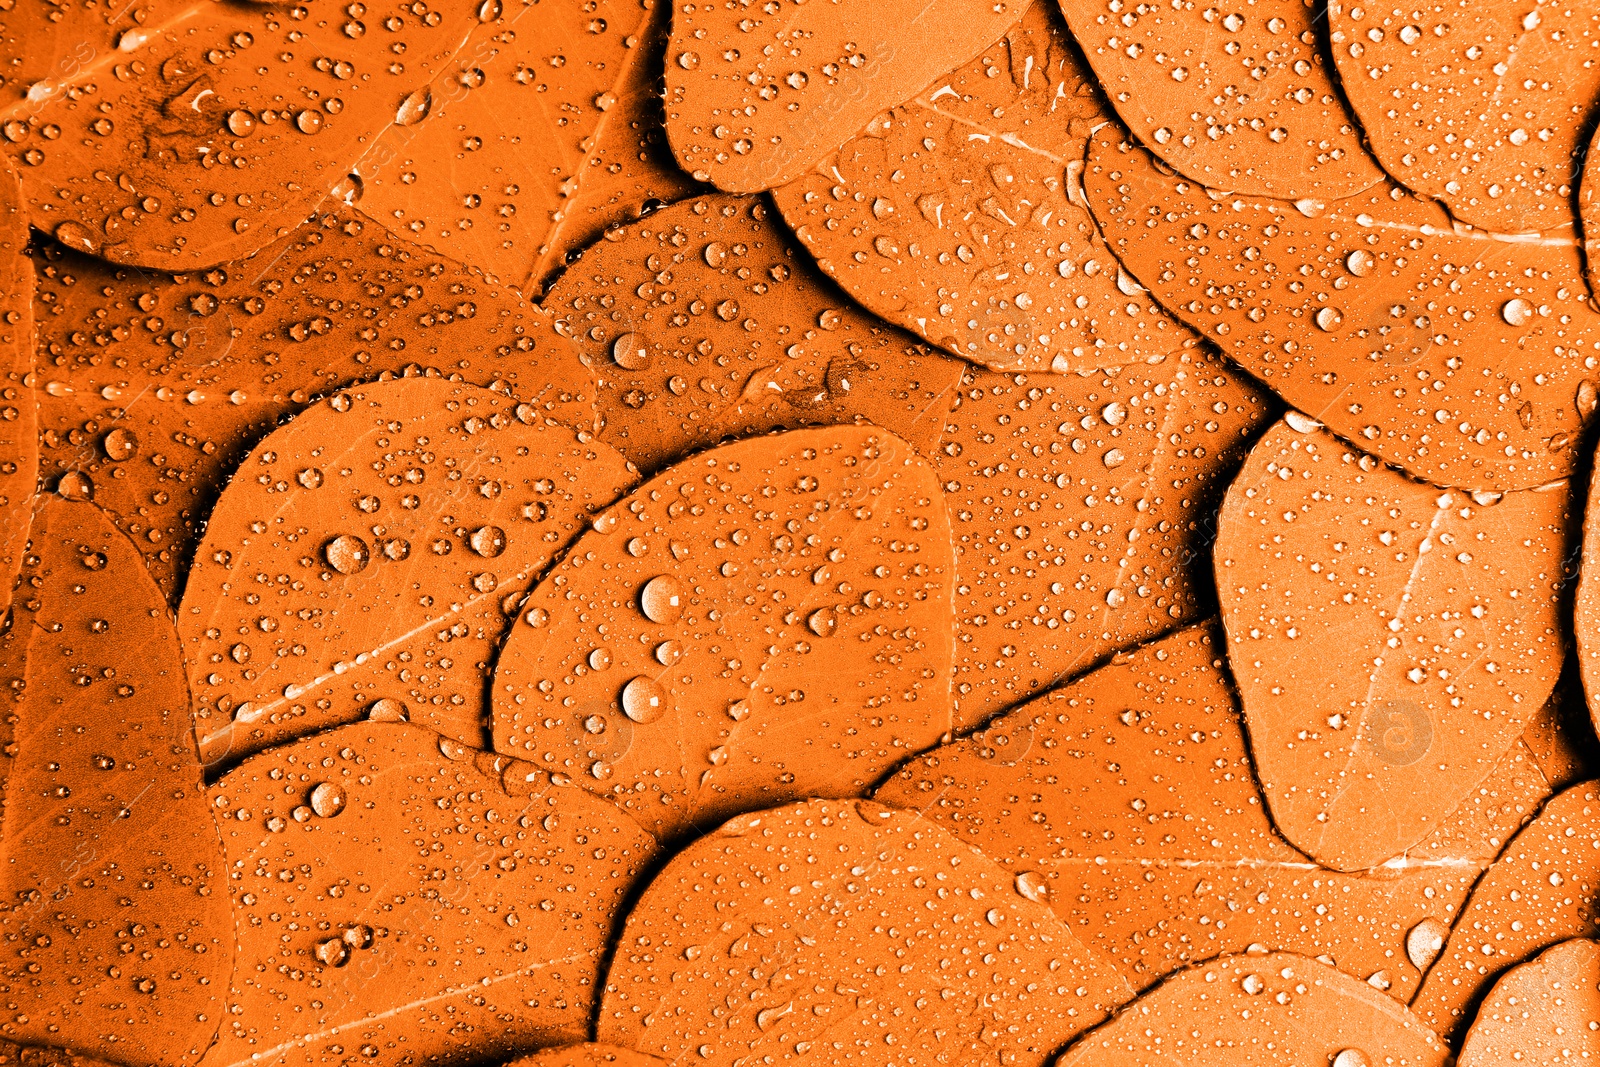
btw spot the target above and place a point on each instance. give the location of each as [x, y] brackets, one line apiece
[1360, 263]
[327, 799]
[1300, 422]
[1517, 312]
[644, 700]
[1253, 984]
[1351, 1057]
[1425, 941]
[631, 352]
[119, 444]
[75, 486]
[1032, 885]
[387, 709]
[822, 622]
[414, 108]
[1329, 318]
[488, 541]
[661, 600]
[333, 952]
[346, 554]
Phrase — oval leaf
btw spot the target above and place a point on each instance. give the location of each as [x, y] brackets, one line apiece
[575, 84]
[1480, 105]
[208, 363]
[1586, 609]
[115, 919]
[1390, 640]
[767, 621]
[1267, 1010]
[703, 322]
[226, 124]
[960, 216]
[1174, 74]
[590, 1055]
[1542, 1013]
[754, 98]
[1077, 507]
[789, 918]
[367, 555]
[396, 891]
[1462, 357]
[1144, 815]
[1544, 889]
[19, 441]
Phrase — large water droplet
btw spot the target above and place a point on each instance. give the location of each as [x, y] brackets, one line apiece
[346, 554]
[661, 600]
[644, 700]
[631, 352]
[414, 108]
[1425, 941]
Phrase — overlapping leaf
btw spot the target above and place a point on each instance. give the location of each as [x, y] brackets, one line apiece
[1543, 890]
[154, 388]
[1586, 610]
[774, 937]
[213, 130]
[370, 555]
[1237, 98]
[1127, 803]
[1271, 1009]
[1390, 640]
[959, 216]
[1460, 356]
[398, 893]
[702, 322]
[1481, 105]
[1078, 508]
[764, 622]
[1541, 1013]
[115, 920]
[574, 86]
[19, 442]
[754, 96]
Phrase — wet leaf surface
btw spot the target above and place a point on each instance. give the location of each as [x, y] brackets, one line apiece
[590, 1055]
[702, 322]
[1079, 508]
[959, 216]
[1390, 639]
[1544, 889]
[764, 622]
[1541, 1013]
[760, 940]
[19, 444]
[212, 131]
[1480, 105]
[154, 388]
[369, 556]
[1463, 357]
[115, 922]
[35, 1056]
[1126, 802]
[1270, 121]
[43, 46]
[1265, 1010]
[755, 98]
[575, 84]
[1586, 607]
[400, 893]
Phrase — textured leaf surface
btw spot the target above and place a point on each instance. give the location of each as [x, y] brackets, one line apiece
[1463, 357]
[398, 892]
[590, 1055]
[1237, 98]
[771, 936]
[1544, 889]
[368, 557]
[702, 321]
[215, 128]
[19, 443]
[1541, 1013]
[575, 86]
[1481, 105]
[115, 923]
[1264, 1010]
[154, 388]
[764, 622]
[1126, 802]
[1079, 510]
[756, 96]
[1390, 640]
[959, 216]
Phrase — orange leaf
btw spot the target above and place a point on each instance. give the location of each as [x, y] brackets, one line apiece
[1541, 1013]
[764, 622]
[116, 920]
[827, 926]
[154, 388]
[19, 442]
[398, 892]
[1175, 75]
[367, 558]
[1461, 356]
[702, 322]
[960, 217]
[755, 97]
